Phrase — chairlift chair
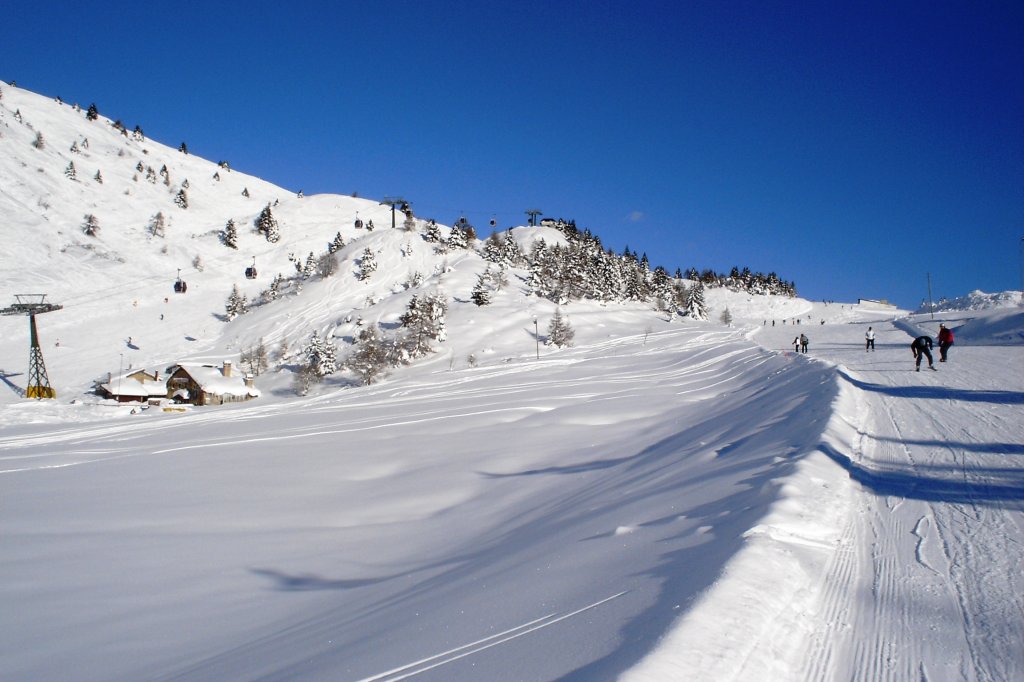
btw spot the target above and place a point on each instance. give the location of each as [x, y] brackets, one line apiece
[250, 272]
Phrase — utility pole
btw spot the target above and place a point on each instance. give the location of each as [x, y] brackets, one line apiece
[393, 202]
[38, 382]
[533, 213]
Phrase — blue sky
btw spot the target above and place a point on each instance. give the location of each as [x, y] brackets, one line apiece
[851, 147]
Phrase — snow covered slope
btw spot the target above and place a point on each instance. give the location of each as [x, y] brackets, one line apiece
[667, 499]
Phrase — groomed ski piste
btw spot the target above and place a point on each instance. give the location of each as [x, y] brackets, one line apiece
[666, 499]
[682, 504]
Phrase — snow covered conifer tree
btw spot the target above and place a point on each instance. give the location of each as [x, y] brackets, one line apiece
[310, 267]
[98, 177]
[39, 142]
[237, 304]
[424, 321]
[320, 356]
[560, 332]
[482, 291]
[457, 238]
[696, 308]
[70, 171]
[337, 244]
[181, 199]
[371, 357]
[367, 264]
[432, 233]
[230, 235]
[91, 226]
[93, 113]
[493, 248]
[726, 317]
[266, 224]
[511, 254]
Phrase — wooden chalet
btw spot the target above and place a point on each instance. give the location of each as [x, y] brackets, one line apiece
[209, 384]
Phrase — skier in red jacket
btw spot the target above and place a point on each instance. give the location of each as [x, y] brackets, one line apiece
[945, 341]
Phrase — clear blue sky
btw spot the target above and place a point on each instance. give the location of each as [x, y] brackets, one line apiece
[850, 147]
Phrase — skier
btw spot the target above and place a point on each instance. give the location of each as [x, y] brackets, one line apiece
[945, 341]
[869, 340]
[922, 346]
[803, 342]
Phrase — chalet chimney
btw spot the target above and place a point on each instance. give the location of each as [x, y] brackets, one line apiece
[227, 368]
[248, 381]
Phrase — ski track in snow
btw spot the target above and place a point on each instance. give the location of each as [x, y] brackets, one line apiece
[927, 565]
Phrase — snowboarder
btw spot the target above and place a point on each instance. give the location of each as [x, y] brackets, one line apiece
[869, 340]
[945, 341]
[803, 343]
[922, 347]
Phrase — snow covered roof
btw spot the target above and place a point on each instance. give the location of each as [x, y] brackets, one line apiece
[212, 380]
[135, 384]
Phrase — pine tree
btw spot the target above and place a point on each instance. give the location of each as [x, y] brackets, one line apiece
[181, 199]
[432, 233]
[39, 142]
[423, 322]
[511, 255]
[91, 226]
[230, 235]
[98, 177]
[337, 244]
[560, 332]
[371, 357]
[310, 267]
[367, 264]
[70, 171]
[157, 225]
[245, 192]
[481, 292]
[237, 304]
[93, 113]
[320, 356]
[266, 224]
[696, 308]
[183, 148]
[726, 317]
[457, 238]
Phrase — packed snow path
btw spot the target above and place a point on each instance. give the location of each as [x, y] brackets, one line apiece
[923, 579]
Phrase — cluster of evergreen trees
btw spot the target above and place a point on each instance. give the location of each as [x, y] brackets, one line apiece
[584, 269]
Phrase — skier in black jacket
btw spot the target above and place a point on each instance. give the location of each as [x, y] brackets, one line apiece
[922, 346]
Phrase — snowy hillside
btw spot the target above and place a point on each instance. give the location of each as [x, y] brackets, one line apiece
[665, 499]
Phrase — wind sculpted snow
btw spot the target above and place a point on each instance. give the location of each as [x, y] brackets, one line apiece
[668, 499]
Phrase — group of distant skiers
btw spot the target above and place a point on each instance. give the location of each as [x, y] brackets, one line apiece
[921, 346]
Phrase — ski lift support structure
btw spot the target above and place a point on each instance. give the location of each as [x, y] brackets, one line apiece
[393, 202]
[533, 213]
[34, 304]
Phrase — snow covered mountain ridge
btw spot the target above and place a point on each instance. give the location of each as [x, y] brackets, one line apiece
[101, 218]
